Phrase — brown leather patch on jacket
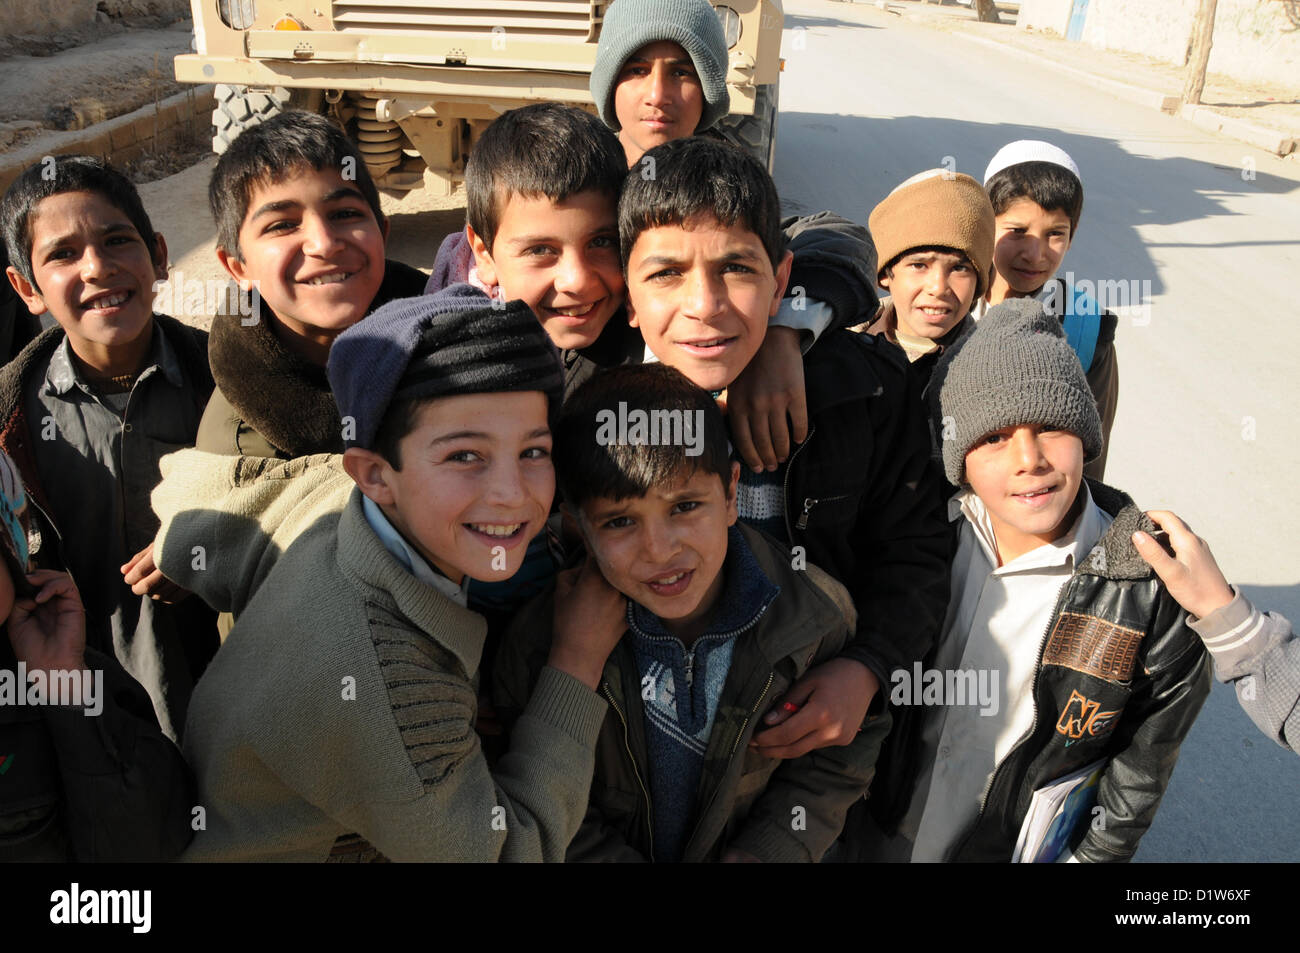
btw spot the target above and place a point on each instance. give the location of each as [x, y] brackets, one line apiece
[1093, 646]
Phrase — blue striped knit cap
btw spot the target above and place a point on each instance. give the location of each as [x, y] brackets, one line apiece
[1015, 368]
[691, 24]
[457, 341]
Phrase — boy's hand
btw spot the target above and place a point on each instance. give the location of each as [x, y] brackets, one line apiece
[759, 400]
[733, 855]
[48, 630]
[1191, 575]
[146, 579]
[590, 617]
[825, 707]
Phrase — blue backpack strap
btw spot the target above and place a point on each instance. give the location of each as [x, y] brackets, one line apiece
[1082, 321]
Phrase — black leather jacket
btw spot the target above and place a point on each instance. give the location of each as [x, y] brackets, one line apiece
[1120, 676]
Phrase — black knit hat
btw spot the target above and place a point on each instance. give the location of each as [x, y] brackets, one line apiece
[1015, 368]
[457, 341]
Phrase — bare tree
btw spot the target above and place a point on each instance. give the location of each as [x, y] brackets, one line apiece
[1199, 58]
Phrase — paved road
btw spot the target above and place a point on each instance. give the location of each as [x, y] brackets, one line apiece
[1209, 391]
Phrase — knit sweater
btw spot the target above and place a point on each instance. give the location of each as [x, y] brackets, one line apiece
[343, 706]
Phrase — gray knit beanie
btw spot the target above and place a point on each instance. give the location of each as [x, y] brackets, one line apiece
[1015, 368]
[691, 24]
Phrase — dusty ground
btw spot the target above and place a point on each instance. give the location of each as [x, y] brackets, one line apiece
[47, 89]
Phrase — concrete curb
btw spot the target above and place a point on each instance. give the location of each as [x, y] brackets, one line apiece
[120, 139]
[1262, 137]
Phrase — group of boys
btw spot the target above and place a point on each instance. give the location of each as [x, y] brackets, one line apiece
[428, 653]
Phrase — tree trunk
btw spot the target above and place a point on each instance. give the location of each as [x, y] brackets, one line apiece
[1202, 38]
[987, 10]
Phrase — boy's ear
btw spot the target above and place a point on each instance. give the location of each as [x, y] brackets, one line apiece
[487, 269]
[235, 269]
[733, 513]
[30, 294]
[782, 279]
[160, 266]
[369, 471]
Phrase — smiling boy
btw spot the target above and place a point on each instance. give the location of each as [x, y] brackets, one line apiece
[1095, 658]
[935, 237]
[542, 187]
[1037, 195]
[719, 624]
[298, 219]
[90, 406]
[706, 267]
[337, 721]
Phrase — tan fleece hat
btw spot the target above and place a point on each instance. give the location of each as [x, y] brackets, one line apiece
[936, 207]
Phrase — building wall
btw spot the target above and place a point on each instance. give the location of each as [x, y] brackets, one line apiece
[1044, 15]
[1254, 40]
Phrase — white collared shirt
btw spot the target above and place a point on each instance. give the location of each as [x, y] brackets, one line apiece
[402, 551]
[997, 621]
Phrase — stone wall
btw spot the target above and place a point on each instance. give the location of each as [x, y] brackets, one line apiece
[1254, 40]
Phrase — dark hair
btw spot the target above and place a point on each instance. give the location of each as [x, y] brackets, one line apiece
[55, 175]
[272, 151]
[1053, 187]
[887, 269]
[588, 465]
[679, 180]
[544, 149]
[399, 420]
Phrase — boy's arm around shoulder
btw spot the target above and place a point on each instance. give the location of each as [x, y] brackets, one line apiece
[803, 808]
[835, 263]
[1171, 682]
[519, 662]
[1259, 655]
[225, 520]
[527, 808]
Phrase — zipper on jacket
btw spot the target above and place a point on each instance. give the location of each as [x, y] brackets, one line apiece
[1033, 726]
[627, 744]
[731, 754]
[785, 490]
[810, 502]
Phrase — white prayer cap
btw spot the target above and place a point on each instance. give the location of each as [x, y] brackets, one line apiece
[1029, 150]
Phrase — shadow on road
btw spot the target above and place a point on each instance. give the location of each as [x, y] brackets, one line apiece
[1122, 190]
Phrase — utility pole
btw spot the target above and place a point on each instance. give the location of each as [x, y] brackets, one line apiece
[1202, 38]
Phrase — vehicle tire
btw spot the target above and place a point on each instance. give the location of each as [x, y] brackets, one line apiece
[236, 108]
[757, 133]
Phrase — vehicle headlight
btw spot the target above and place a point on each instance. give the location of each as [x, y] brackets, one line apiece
[237, 14]
[730, 24]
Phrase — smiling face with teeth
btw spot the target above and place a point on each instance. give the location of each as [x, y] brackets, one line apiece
[475, 474]
[94, 275]
[314, 249]
[665, 550]
[1028, 477]
[561, 257]
[702, 294]
[932, 290]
